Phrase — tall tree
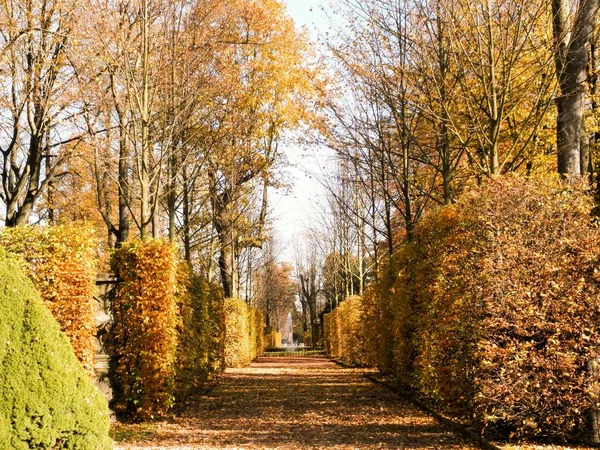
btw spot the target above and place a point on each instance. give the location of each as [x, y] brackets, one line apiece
[268, 81]
[41, 118]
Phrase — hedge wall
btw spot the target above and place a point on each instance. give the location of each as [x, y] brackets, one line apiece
[492, 313]
[272, 338]
[344, 333]
[143, 338]
[47, 400]
[201, 330]
[243, 333]
[61, 262]
[169, 330]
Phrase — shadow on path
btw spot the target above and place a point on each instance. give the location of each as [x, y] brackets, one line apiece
[295, 403]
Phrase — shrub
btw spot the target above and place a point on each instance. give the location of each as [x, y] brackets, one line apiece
[308, 339]
[243, 333]
[495, 308]
[344, 334]
[272, 338]
[537, 272]
[143, 338]
[61, 263]
[378, 317]
[201, 331]
[47, 400]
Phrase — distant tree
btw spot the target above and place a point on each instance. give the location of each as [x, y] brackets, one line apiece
[276, 290]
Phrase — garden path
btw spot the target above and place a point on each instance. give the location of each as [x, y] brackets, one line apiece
[293, 403]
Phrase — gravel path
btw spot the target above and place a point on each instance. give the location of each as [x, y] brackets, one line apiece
[293, 403]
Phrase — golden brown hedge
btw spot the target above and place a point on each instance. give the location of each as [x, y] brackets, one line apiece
[243, 333]
[201, 331]
[144, 337]
[344, 332]
[61, 262]
[494, 311]
[272, 338]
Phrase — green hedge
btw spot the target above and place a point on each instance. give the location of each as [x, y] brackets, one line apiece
[244, 339]
[47, 401]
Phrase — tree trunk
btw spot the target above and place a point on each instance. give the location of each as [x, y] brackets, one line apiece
[144, 161]
[226, 258]
[187, 239]
[571, 57]
[314, 329]
[568, 133]
[123, 180]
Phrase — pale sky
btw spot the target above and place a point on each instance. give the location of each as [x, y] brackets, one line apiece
[308, 13]
[296, 210]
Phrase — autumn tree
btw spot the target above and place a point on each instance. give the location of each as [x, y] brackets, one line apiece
[308, 262]
[267, 81]
[377, 129]
[129, 39]
[504, 73]
[276, 289]
[41, 117]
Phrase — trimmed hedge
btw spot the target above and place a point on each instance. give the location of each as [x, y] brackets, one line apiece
[492, 312]
[344, 333]
[48, 400]
[201, 330]
[272, 338]
[243, 333]
[143, 338]
[61, 262]
[168, 334]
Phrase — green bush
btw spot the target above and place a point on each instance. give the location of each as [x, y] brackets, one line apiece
[47, 399]
[243, 333]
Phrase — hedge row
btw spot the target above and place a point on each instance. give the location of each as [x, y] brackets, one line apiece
[48, 400]
[167, 337]
[169, 326]
[201, 328]
[61, 263]
[244, 333]
[492, 314]
[344, 335]
[272, 338]
[143, 338]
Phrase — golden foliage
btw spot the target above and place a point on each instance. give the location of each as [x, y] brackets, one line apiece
[61, 262]
[344, 333]
[493, 314]
[201, 331]
[243, 333]
[272, 338]
[144, 336]
[169, 329]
